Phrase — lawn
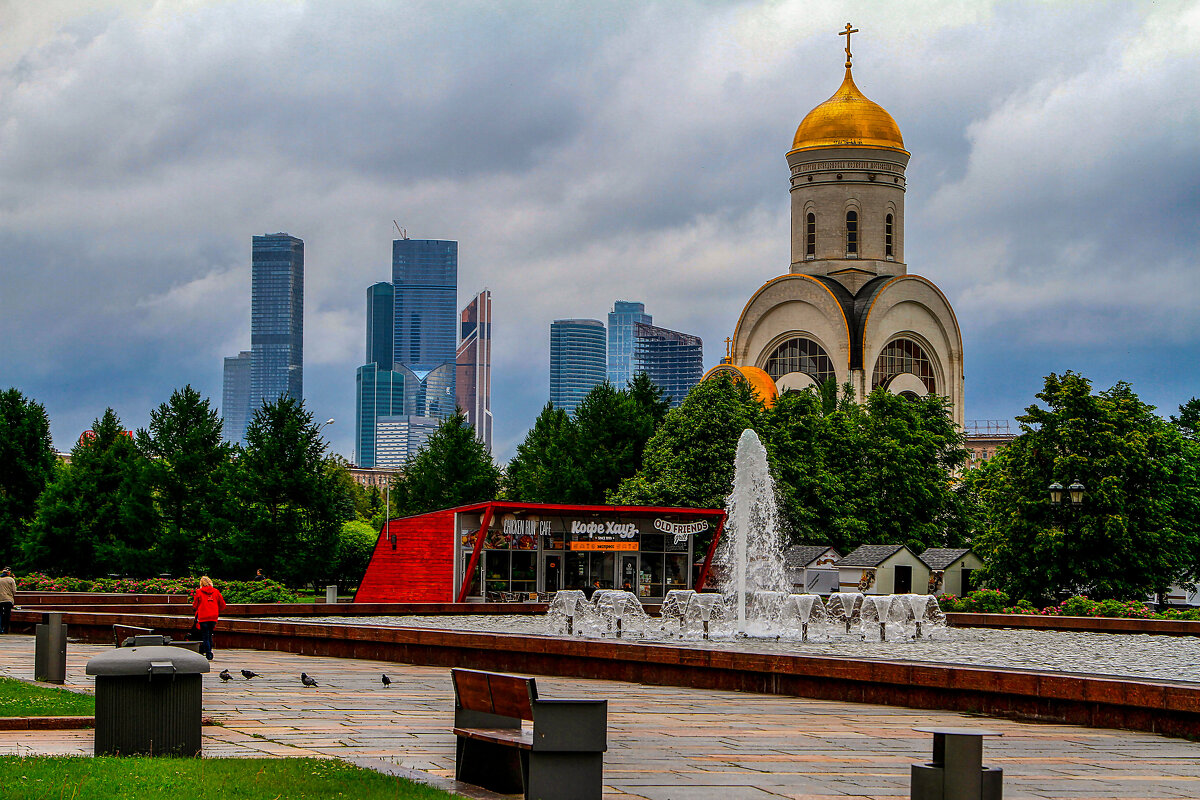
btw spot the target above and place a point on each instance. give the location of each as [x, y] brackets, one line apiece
[106, 778]
[21, 699]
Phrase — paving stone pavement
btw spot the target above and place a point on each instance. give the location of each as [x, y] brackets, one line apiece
[665, 743]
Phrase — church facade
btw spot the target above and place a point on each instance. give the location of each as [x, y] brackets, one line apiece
[848, 309]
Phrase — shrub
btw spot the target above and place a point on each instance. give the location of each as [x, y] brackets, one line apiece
[1078, 606]
[264, 591]
[985, 601]
[949, 602]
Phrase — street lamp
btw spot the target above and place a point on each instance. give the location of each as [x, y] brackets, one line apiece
[1072, 495]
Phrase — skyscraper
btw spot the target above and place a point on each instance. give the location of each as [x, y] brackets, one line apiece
[407, 386]
[577, 362]
[380, 297]
[235, 397]
[673, 361]
[425, 278]
[620, 340]
[274, 365]
[474, 379]
[276, 318]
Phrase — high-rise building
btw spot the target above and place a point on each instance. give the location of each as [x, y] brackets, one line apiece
[620, 340]
[673, 361]
[276, 318]
[425, 279]
[235, 397]
[407, 386]
[474, 379]
[380, 297]
[577, 362]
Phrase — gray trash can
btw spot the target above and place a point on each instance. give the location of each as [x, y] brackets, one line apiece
[50, 649]
[148, 701]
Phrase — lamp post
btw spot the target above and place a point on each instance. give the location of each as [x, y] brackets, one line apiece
[1071, 497]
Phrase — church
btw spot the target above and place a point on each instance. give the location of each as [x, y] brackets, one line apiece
[848, 309]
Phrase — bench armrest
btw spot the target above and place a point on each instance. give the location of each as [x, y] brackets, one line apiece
[576, 726]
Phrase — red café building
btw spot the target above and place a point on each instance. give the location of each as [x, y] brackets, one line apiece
[501, 550]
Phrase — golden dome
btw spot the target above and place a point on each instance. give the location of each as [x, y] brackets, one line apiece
[848, 119]
[760, 382]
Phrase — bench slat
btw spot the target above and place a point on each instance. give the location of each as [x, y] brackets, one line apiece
[472, 689]
[522, 739]
[510, 695]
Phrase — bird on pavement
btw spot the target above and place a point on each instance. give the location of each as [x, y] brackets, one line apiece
[307, 681]
[225, 675]
[247, 674]
[386, 681]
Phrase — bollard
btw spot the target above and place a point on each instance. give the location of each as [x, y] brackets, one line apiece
[331, 593]
[956, 771]
[50, 649]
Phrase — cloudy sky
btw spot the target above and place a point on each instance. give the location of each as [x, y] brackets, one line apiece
[579, 153]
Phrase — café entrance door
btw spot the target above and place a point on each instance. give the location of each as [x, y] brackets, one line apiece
[551, 573]
[628, 577]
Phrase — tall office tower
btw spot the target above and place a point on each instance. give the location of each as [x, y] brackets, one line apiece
[380, 297]
[620, 340]
[425, 277]
[673, 361]
[407, 386]
[577, 362]
[235, 397]
[474, 380]
[276, 319]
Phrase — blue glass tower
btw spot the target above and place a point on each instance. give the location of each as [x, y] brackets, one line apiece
[577, 362]
[673, 361]
[235, 397]
[276, 319]
[620, 340]
[425, 326]
[380, 297]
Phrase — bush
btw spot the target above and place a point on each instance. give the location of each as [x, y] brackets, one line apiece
[264, 591]
[261, 591]
[985, 601]
[949, 602]
[1078, 606]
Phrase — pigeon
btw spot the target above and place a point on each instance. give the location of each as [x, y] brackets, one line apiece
[247, 674]
[307, 681]
[386, 681]
[225, 675]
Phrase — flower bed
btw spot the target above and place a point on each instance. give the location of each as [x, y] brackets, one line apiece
[260, 591]
[990, 601]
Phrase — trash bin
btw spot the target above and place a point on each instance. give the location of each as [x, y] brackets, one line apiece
[148, 701]
[50, 649]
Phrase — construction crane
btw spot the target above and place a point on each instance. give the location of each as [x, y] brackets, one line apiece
[403, 232]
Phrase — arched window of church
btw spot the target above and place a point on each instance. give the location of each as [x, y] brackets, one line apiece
[811, 234]
[903, 355]
[852, 234]
[800, 354]
[887, 237]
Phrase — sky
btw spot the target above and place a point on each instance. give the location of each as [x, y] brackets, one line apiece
[580, 153]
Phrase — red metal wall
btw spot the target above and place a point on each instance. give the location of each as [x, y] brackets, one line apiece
[420, 569]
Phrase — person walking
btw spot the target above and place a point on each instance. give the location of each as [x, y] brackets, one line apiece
[8, 596]
[209, 604]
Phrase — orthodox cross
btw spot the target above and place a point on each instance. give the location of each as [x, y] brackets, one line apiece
[728, 347]
[847, 33]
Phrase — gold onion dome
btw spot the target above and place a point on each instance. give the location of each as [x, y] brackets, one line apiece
[848, 119]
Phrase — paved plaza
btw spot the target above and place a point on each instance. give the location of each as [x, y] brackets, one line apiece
[665, 743]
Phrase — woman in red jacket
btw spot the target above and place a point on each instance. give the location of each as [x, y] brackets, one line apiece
[208, 603]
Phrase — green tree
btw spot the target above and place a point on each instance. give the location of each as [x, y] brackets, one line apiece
[688, 462]
[291, 505]
[454, 468]
[98, 516]
[187, 462]
[543, 470]
[27, 464]
[1134, 533]
[356, 543]
[880, 472]
[1188, 420]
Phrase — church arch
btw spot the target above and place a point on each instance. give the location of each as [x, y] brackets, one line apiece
[902, 355]
[798, 353]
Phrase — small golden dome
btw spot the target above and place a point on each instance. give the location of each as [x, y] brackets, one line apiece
[848, 119]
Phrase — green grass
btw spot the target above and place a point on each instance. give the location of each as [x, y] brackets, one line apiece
[21, 699]
[107, 778]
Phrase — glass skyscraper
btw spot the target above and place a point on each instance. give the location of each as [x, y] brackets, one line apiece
[474, 380]
[425, 279]
[276, 319]
[577, 360]
[673, 361]
[620, 340]
[408, 384]
[235, 397]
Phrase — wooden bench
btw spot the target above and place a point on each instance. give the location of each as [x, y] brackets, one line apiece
[559, 757]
